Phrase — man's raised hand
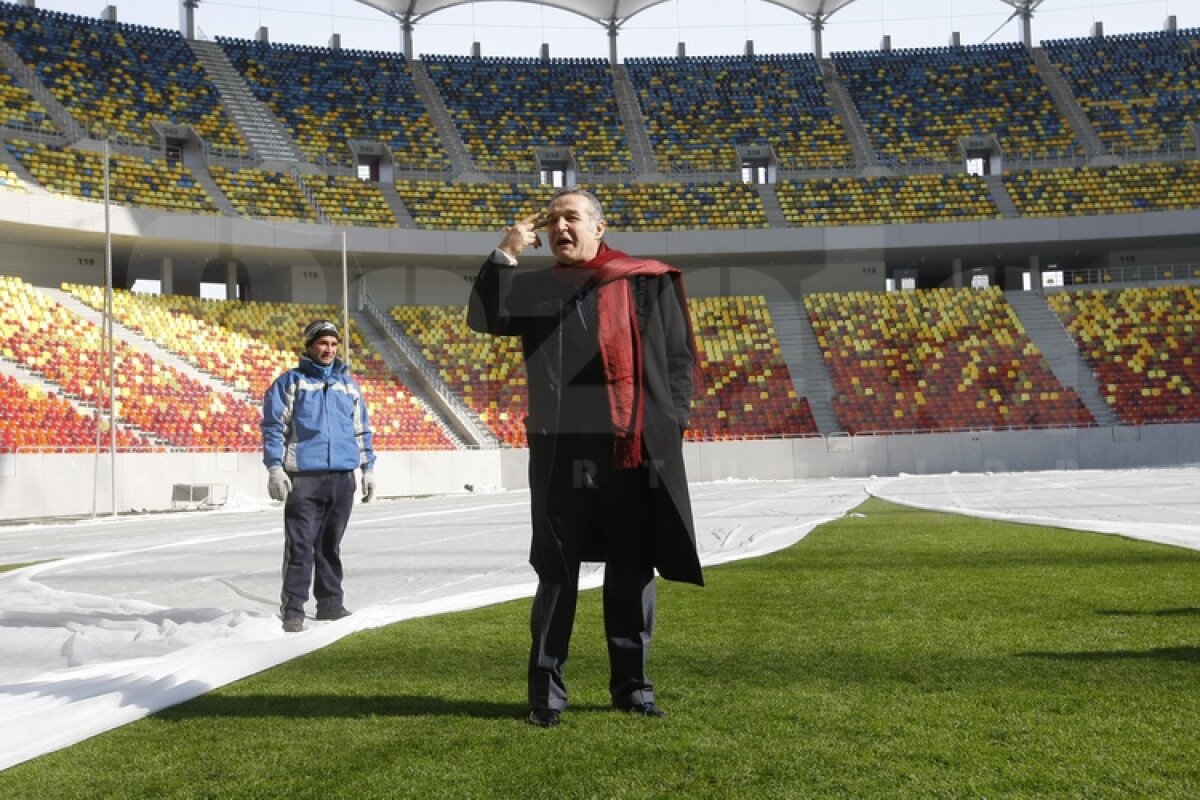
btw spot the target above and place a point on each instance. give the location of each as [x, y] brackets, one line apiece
[523, 234]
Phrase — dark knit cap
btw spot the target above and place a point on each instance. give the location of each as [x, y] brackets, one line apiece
[318, 328]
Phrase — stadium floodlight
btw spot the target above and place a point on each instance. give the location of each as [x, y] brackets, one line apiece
[610, 14]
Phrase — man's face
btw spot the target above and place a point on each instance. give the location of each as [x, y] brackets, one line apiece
[323, 350]
[574, 236]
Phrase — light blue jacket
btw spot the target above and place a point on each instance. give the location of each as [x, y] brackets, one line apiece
[314, 423]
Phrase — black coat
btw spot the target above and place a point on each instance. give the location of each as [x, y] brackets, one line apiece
[568, 406]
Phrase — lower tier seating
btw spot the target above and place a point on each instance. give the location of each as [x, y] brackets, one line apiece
[941, 359]
[1143, 344]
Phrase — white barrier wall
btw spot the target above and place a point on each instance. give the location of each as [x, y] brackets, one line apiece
[57, 485]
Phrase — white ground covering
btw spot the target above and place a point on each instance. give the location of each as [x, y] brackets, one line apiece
[123, 617]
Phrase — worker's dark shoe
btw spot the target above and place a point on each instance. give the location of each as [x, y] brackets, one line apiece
[544, 717]
[341, 612]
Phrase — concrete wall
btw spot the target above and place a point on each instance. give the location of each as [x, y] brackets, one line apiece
[54, 484]
[68, 236]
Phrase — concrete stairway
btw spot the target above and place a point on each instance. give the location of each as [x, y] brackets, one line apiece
[401, 212]
[771, 207]
[266, 135]
[1000, 196]
[460, 159]
[139, 342]
[1068, 105]
[205, 179]
[802, 354]
[1059, 349]
[856, 132]
[644, 162]
[28, 79]
[404, 358]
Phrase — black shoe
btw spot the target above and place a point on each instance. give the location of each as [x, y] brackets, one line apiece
[341, 612]
[293, 624]
[644, 709]
[544, 717]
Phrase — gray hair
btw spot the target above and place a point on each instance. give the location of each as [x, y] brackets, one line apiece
[595, 210]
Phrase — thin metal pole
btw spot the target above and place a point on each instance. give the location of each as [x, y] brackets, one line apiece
[109, 332]
[345, 304]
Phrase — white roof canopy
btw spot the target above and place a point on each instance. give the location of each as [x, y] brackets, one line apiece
[611, 14]
[604, 12]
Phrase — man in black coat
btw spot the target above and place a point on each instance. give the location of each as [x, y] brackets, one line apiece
[611, 369]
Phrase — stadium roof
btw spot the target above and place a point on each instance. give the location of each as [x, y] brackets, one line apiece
[611, 14]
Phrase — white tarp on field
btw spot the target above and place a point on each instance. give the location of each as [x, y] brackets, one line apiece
[121, 617]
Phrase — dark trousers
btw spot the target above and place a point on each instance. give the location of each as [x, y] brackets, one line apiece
[314, 520]
[612, 511]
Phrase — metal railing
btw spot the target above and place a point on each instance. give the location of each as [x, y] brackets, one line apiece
[431, 378]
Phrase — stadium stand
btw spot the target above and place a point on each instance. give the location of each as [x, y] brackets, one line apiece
[133, 180]
[630, 207]
[505, 107]
[329, 98]
[10, 181]
[119, 78]
[352, 202]
[885, 200]
[1143, 343]
[917, 104]
[159, 402]
[245, 345]
[263, 194]
[698, 110]
[1139, 91]
[939, 359]
[1121, 189]
[746, 389]
[487, 372]
[19, 109]
[31, 419]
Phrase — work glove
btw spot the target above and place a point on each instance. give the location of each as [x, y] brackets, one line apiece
[278, 484]
[368, 486]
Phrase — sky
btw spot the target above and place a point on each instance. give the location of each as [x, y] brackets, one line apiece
[705, 27]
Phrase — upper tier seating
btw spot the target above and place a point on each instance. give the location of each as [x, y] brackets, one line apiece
[698, 110]
[119, 78]
[917, 104]
[1139, 91]
[504, 107]
[909, 199]
[133, 180]
[1143, 344]
[18, 107]
[246, 345]
[940, 359]
[328, 98]
[630, 207]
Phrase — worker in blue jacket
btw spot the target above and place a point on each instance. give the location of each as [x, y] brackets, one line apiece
[315, 435]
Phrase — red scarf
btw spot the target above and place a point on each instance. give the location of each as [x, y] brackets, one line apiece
[620, 340]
